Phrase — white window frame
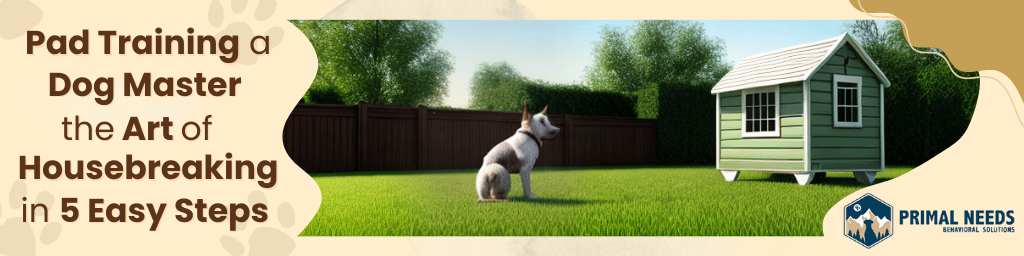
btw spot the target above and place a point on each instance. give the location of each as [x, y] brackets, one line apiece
[778, 120]
[836, 79]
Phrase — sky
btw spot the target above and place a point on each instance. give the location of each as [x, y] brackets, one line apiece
[561, 51]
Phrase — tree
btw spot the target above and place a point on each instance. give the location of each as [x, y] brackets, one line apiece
[498, 87]
[392, 62]
[927, 108]
[656, 52]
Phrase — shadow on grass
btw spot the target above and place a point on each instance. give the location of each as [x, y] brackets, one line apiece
[828, 181]
[389, 173]
[556, 201]
[538, 169]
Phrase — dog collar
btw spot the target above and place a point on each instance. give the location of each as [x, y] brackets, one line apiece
[534, 137]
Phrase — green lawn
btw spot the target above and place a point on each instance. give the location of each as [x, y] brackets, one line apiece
[580, 201]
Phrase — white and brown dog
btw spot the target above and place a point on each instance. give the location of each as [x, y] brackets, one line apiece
[517, 154]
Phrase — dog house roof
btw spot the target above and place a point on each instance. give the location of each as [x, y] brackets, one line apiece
[792, 64]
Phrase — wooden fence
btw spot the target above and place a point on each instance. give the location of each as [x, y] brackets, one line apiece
[339, 138]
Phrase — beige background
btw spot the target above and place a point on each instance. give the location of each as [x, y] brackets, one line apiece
[979, 172]
[248, 125]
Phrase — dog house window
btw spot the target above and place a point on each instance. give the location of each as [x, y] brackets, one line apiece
[761, 112]
[846, 101]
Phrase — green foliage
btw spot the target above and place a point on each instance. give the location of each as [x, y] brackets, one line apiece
[656, 52]
[647, 102]
[499, 87]
[686, 123]
[324, 95]
[391, 62]
[578, 100]
[927, 108]
[580, 201]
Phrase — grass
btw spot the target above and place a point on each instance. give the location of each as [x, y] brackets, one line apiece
[575, 201]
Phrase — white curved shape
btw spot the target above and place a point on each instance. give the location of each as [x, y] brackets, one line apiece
[804, 178]
[865, 178]
[730, 175]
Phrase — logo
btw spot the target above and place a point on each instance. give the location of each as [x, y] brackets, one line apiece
[868, 220]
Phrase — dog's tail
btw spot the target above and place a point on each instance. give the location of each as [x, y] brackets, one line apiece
[489, 182]
[484, 184]
[493, 170]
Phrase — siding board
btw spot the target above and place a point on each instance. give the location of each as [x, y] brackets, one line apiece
[845, 148]
[847, 164]
[731, 102]
[772, 153]
[791, 98]
[822, 86]
[791, 88]
[830, 131]
[871, 101]
[769, 143]
[836, 60]
[792, 121]
[845, 51]
[731, 125]
[762, 153]
[845, 153]
[870, 93]
[793, 132]
[870, 81]
[731, 110]
[761, 165]
[858, 72]
[834, 69]
[844, 142]
[791, 109]
[732, 135]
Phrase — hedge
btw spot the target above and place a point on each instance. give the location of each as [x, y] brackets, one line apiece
[686, 121]
[926, 113]
[324, 95]
[579, 100]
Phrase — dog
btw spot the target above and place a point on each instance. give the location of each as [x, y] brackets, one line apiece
[517, 154]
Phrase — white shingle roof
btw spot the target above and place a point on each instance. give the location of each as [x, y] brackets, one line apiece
[792, 64]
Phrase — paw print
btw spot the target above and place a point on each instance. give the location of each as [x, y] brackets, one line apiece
[264, 240]
[18, 16]
[17, 237]
[262, 11]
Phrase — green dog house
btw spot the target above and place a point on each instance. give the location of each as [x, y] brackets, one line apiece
[803, 110]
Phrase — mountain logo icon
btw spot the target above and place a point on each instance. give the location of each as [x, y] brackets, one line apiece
[868, 221]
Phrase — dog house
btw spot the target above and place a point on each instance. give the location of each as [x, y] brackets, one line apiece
[803, 110]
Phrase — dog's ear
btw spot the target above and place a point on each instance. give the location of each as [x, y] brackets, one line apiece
[526, 113]
[545, 111]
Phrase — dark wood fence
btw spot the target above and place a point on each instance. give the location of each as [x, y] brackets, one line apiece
[340, 138]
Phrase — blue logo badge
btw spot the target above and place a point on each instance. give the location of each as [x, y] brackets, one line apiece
[868, 220]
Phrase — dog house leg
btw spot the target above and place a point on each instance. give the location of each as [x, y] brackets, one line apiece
[730, 175]
[804, 178]
[865, 178]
